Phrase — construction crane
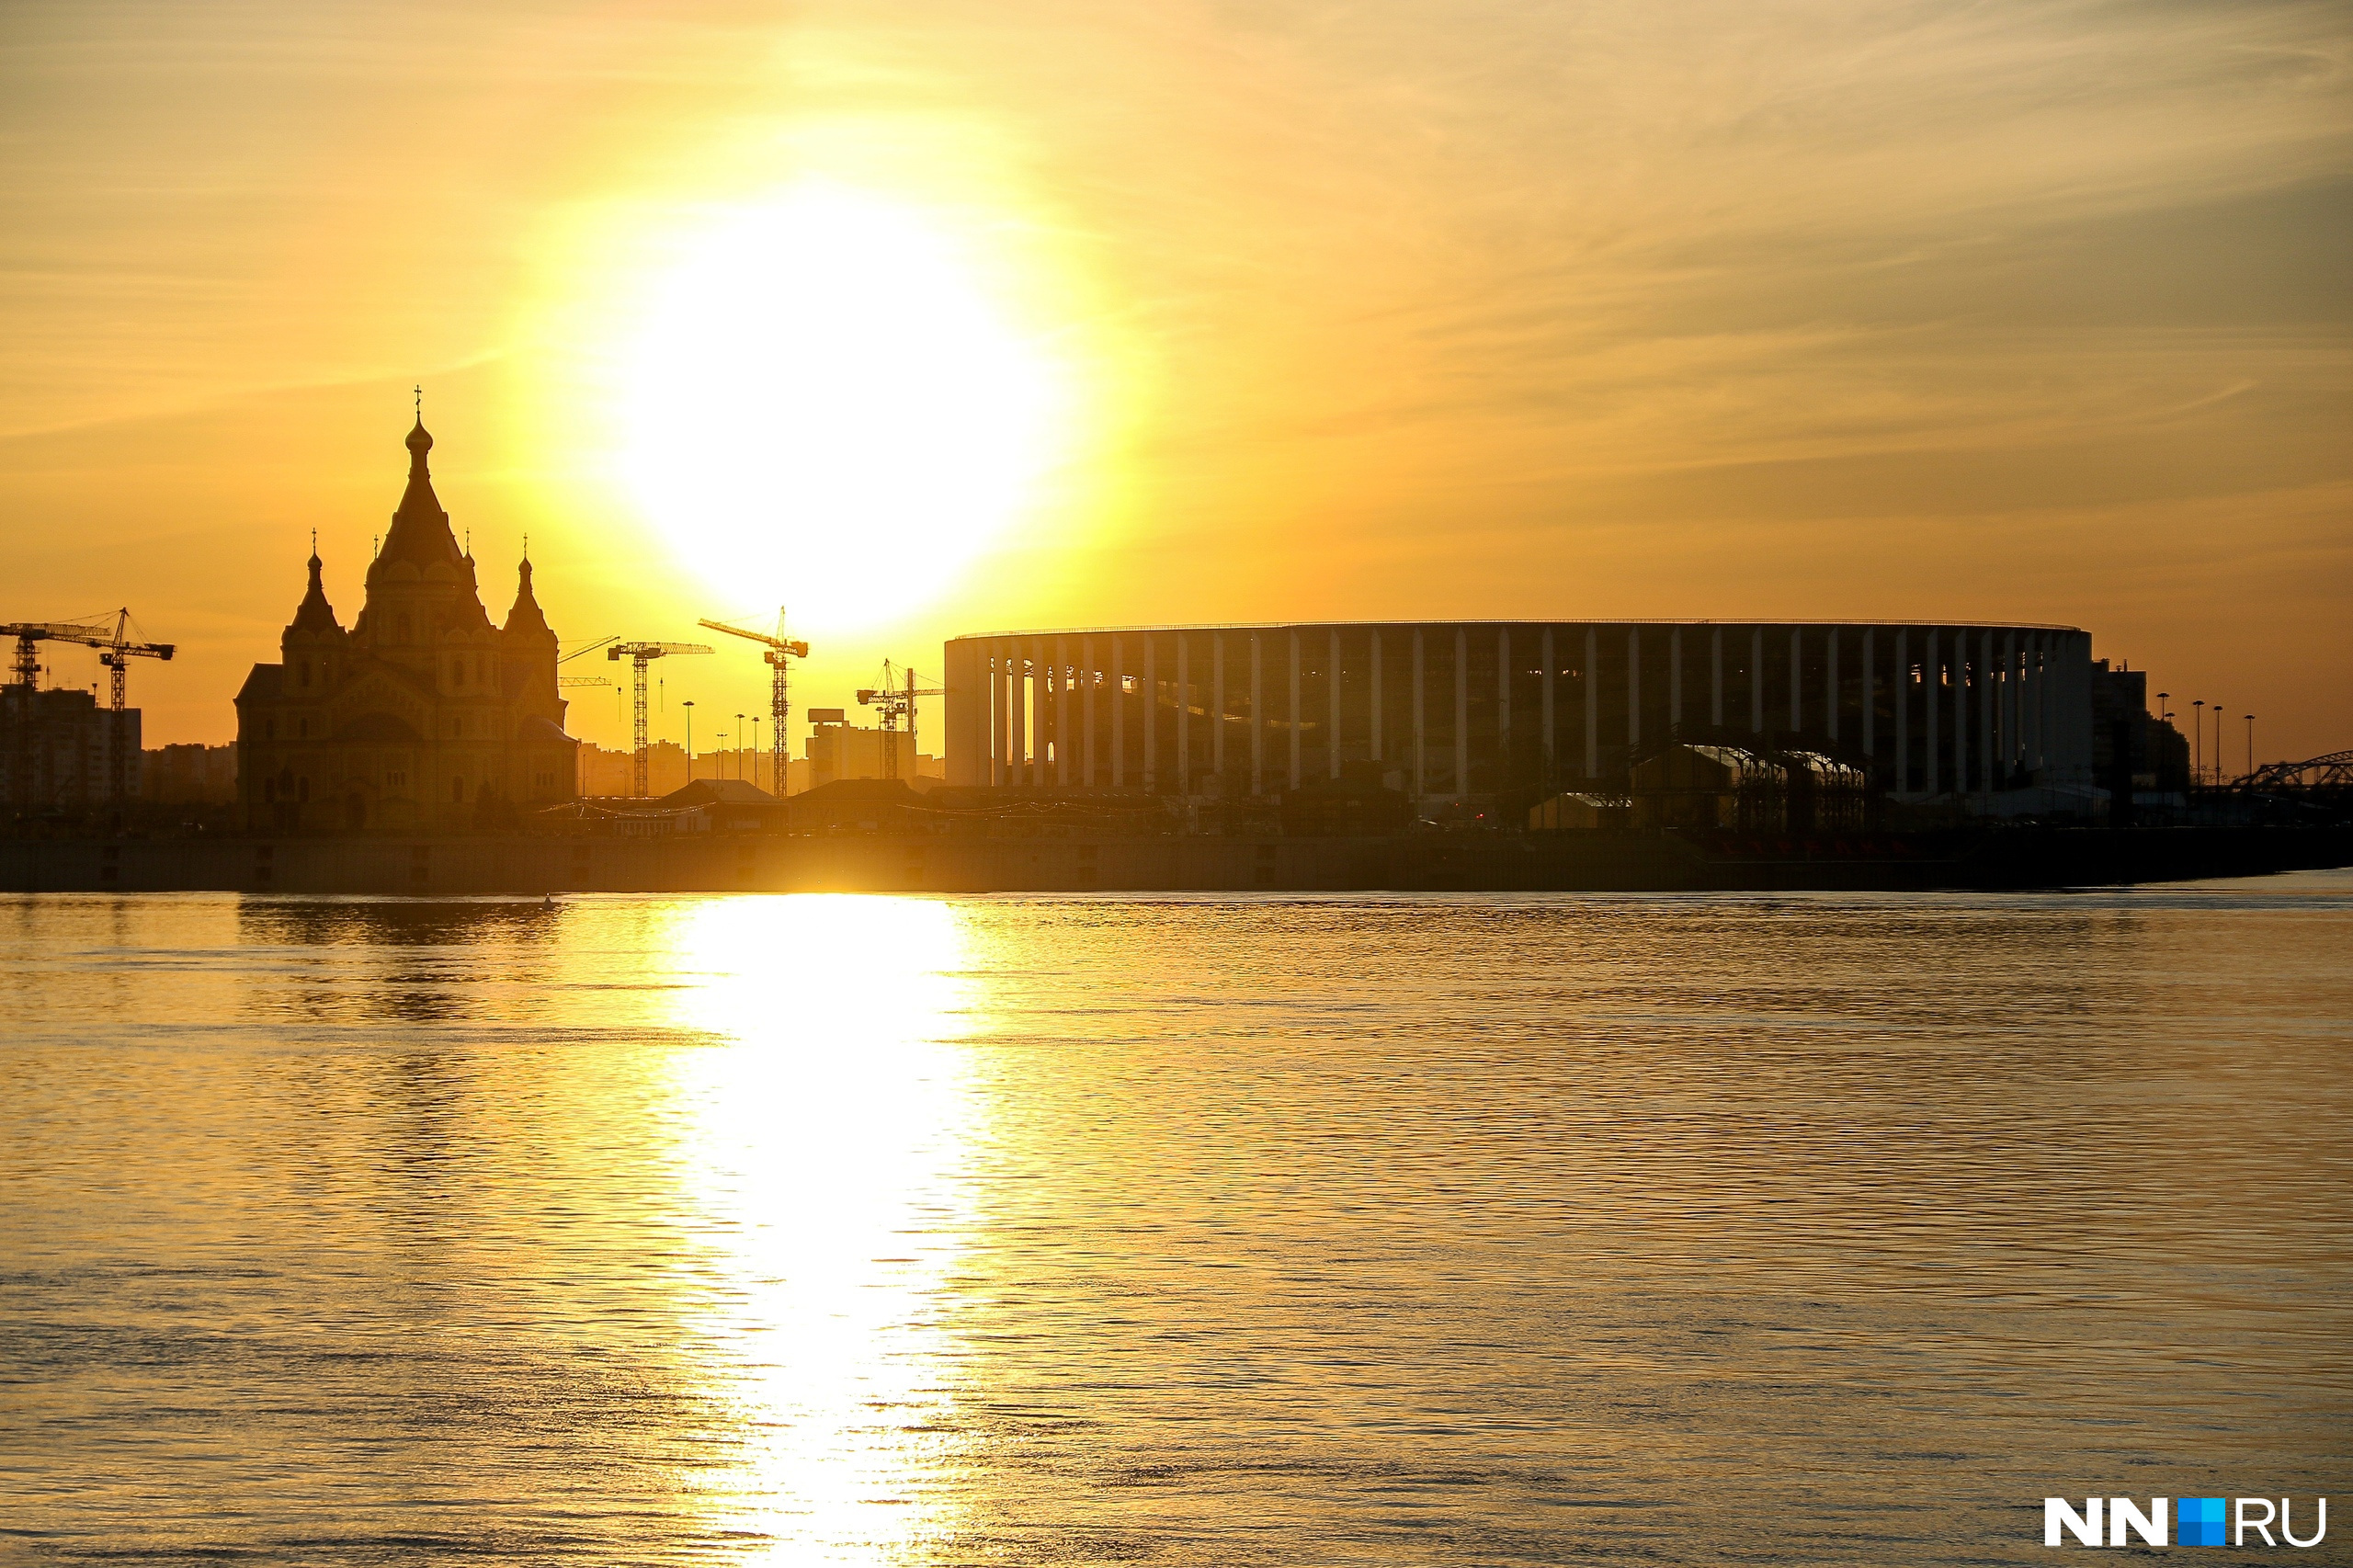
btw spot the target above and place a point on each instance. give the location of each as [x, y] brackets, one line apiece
[109, 634]
[568, 682]
[896, 698]
[120, 650]
[641, 655]
[778, 649]
[115, 650]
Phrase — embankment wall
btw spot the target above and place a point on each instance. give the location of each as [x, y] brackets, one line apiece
[437, 866]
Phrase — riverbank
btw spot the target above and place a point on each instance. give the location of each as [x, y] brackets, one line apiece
[939, 863]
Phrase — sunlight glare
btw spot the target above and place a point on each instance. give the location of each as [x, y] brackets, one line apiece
[829, 1128]
[828, 406]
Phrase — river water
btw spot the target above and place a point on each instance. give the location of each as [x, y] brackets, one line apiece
[1187, 1231]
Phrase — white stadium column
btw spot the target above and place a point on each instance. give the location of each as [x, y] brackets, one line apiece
[1797, 678]
[1931, 741]
[2036, 657]
[2013, 751]
[1372, 728]
[1332, 691]
[1017, 753]
[1184, 715]
[982, 717]
[1673, 679]
[1090, 689]
[1040, 726]
[1421, 733]
[1294, 708]
[1503, 706]
[1870, 694]
[1041, 708]
[1988, 698]
[1830, 684]
[1008, 751]
[1960, 713]
[964, 714]
[1151, 710]
[1901, 692]
[1756, 680]
[996, 715]
[1591, 703]
[963, 735]
[1633, 685]
[1257, 716]
[1462, 710]
[1118, 712]
[1063, 731]
[1982, 741]
[1716, 677]
[1549, 748]
[1217, 705]
[1033, 710]
[2022, 706]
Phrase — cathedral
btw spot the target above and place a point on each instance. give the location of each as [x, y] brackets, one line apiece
[422, 716]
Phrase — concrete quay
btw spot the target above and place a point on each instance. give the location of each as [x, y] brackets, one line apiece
[462, 865]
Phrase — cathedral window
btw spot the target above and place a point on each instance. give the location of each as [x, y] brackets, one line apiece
[269, 728]
[402, 634]
[306, 672]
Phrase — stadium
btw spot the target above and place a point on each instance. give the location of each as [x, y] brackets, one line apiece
[1459, 711]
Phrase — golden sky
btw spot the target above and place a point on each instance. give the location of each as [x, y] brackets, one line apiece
[1105, 311]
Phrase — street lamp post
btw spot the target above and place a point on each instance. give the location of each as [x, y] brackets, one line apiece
[2250, 743]
[2197, 740]
[739, 745]
[690, 740]
[755, 750]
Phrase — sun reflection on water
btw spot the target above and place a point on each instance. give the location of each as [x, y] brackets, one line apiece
[822, 1145]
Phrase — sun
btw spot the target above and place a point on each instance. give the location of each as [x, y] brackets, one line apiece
[826, 408]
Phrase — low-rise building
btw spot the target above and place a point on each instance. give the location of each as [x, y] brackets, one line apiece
[191, 775]
[59, 749]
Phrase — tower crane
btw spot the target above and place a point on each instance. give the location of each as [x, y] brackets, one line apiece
[894, 699]
[777, 649]
[119, 652]
[115, 649]
[641, 655]
[567, 682]
[115, 643]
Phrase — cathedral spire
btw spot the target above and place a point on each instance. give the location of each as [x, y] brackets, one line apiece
[420, 532]
[526, 618]
[314, 613]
